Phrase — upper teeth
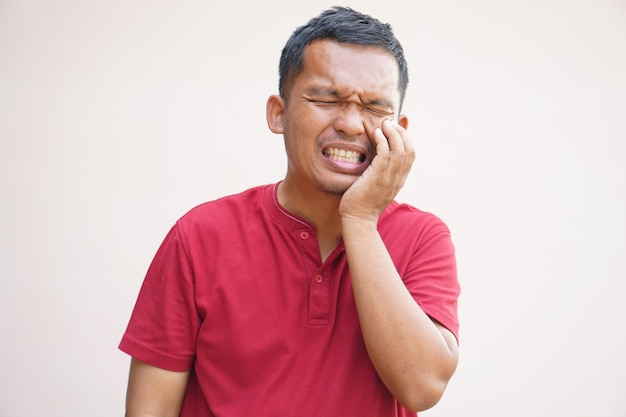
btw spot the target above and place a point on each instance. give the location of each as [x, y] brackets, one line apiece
[343, 155]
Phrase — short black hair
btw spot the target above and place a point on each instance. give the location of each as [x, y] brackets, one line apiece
[340, 24]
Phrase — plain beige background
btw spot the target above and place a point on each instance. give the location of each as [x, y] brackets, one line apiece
[117, 117]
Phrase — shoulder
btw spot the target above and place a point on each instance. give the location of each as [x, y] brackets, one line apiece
[226, 206]
[232, 214]
[407, 219]
[409, 232]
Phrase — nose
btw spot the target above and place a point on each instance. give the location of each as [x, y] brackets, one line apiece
[350, 120]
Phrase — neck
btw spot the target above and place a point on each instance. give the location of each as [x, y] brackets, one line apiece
[318, 208]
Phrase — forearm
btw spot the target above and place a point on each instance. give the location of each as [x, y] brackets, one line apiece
[154, 392]
[412, 355]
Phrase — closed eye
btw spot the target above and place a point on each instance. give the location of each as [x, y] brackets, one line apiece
[323, 102]
[371, 108]
[379, 111]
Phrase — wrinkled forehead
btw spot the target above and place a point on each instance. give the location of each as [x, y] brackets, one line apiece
[351, 68]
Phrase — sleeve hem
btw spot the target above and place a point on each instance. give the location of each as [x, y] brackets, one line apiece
[154, 357]
[444, 319]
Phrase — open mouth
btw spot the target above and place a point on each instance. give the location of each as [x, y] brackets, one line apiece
[342, 155]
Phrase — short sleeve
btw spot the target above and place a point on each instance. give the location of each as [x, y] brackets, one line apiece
[431, 276]
[164, 324]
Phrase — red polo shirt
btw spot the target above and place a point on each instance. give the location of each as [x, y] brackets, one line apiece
[238, 294]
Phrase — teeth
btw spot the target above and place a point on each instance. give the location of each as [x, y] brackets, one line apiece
[343, 155]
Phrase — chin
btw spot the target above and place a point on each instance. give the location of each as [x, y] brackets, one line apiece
[338, 192]
[336, 188]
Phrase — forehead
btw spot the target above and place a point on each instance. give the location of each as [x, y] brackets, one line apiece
[350, 69]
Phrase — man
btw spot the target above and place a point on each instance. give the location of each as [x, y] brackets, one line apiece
[319, 295]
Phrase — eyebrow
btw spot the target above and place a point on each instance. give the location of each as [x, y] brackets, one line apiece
[328, 92]
[322, 91]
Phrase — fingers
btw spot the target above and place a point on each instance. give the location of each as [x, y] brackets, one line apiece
[383, 148]
[393, 143]
[387, 173]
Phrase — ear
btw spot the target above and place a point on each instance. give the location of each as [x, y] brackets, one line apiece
[403, 121]
[275, 113]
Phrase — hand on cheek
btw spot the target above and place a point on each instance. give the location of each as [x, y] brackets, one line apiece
[384, 178]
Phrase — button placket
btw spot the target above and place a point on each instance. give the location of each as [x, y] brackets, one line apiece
[319, 300]
[319, 284]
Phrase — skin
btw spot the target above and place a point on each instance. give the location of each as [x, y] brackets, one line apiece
[154, 392]
[347, 99]
[348, 96]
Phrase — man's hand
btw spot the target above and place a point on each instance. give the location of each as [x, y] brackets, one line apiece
[371, 193]
[413, 355]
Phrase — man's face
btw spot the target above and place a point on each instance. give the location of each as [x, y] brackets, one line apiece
[344, 92]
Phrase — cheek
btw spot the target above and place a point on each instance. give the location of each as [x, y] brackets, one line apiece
[372, 122]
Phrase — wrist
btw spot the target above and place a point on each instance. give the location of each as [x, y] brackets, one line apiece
[359, 223]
